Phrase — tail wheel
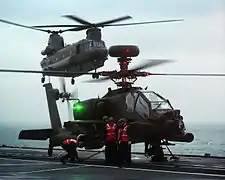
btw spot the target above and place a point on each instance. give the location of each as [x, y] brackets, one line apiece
[72, 81]
[50, 150]
[43, 79]
[95, 76]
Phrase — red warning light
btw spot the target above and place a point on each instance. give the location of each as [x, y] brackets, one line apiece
[126, 51]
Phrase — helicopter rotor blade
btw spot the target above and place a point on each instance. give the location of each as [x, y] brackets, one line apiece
[76, 29]
[78, 19]
[106, 24]
[62, 84]
[80, 28]
[147, 64]
[53, 26]
[146, 22]
[69, 109]
[20, 25]
[63, 89]
[48, 73]
[74, 93]
[102, 24]
[86, 23]
[103, 79]
[108, 75]
[151, 63]
[189, 74]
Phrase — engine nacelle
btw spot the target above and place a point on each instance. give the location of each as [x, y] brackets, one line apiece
[124, 51]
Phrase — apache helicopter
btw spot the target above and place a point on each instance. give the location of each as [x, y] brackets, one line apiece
[152, 114]
[82, 56]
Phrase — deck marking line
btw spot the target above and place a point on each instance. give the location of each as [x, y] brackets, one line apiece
[28, 160]
[198, 165]
[49, 170]
[113, 167]
[25, 164]
[221, 167]
[160, 171]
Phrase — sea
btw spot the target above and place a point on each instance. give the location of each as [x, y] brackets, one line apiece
[209, 138]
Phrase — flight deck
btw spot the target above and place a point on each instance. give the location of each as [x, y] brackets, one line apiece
[18, 163]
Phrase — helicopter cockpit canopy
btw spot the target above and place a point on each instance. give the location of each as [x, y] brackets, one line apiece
[143, 102]
[157, 101]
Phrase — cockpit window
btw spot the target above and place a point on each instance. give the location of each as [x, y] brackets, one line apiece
[87, 45]
[98, 44]
[91, 44]
[130, 101]
[157, 102]
[142, 107]
[160, 105]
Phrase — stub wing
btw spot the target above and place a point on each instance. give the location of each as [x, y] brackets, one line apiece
[77, 122]
[35, 134]
[88, 121]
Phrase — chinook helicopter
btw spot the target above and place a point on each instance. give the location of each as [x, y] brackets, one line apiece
[82, 56]
[152, 114]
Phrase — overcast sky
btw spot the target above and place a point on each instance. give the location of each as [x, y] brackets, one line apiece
[198, 45]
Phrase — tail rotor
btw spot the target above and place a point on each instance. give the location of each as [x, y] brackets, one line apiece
[66, 96]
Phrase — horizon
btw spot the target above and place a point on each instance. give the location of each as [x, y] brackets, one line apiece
[188, 124]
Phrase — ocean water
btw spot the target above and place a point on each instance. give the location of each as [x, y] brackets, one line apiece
[208, 139]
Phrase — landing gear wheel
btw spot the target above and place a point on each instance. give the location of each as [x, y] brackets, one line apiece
[50, 152]
[158, 154]
[72, 81]
[175, 158]
[95, 76]
[43, 79]
[129, 161]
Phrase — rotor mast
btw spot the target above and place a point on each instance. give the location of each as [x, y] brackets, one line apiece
[125, 83]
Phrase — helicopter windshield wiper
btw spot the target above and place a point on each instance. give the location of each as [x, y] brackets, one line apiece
[158, 105]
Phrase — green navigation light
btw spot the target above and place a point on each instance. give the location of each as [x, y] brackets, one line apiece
[78, 107]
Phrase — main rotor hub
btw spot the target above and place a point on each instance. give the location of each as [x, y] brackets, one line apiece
[124, 62]
[123, 54]
[127, 78]
[94, 34]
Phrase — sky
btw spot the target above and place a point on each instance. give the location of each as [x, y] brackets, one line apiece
[197, 43]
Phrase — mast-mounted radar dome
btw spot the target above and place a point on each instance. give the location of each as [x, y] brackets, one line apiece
[124, 51]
